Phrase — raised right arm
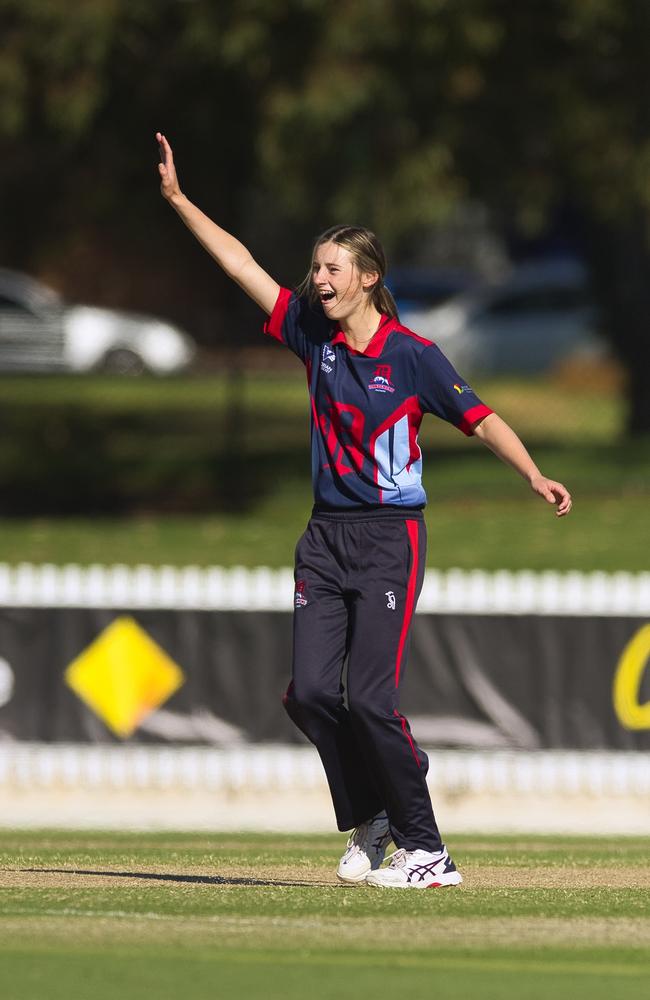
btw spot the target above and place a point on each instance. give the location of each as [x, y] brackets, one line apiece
[231, 255]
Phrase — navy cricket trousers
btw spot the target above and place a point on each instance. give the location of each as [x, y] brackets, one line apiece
[358, 577]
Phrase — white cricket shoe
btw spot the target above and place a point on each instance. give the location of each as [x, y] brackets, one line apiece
[365, 850]
[416, 870]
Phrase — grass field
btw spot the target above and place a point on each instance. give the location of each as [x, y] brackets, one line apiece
[567, 411]
[179, 435]
[250, 916]
[499, 533]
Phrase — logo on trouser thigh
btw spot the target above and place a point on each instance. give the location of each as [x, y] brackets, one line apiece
[299, 598]
[390, 600]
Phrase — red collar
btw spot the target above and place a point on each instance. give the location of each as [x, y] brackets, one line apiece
[375, 346]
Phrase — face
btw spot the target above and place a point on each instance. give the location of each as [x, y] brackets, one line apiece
[339, 284]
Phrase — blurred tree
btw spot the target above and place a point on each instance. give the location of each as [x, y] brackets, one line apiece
[563, 117]
[383, 111]
[408, 105]
[81, 94]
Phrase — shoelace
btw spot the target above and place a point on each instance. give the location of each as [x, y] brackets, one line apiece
[399, 858]
[359, 835]
[356, 838]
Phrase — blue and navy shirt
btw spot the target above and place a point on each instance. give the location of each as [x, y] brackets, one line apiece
[366, 407]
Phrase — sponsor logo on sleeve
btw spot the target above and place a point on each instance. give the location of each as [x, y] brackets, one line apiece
[460, 389]
[299, 598]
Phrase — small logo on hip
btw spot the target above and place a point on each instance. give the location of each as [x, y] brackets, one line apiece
[299, 599]
[390, 603]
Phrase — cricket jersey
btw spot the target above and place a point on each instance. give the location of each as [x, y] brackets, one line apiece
[367, 407]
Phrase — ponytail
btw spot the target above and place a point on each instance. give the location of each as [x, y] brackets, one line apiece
[383, 301]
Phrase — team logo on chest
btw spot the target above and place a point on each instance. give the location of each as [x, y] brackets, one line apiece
[328, 359]
[381, 380]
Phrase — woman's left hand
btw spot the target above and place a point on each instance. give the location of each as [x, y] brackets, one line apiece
[554, 493]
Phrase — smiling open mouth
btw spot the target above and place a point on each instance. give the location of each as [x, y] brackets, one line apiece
[326, 296]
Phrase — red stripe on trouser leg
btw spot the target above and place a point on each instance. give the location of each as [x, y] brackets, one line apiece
[412, 529]
[409, 737]
[288, 693]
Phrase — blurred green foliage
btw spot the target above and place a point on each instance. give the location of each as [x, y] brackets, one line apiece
[388, 112]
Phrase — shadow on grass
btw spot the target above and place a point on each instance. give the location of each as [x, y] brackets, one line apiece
[162, 877]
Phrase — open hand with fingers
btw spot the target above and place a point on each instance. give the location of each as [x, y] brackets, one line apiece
[554, 493]
[169, 186]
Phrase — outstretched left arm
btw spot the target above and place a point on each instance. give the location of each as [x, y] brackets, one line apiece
[502, 440]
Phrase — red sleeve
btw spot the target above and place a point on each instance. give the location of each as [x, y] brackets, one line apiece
[471, 416]
[298, 324]
[275, 322]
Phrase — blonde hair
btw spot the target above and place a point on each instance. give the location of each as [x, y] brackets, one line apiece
[368, 256]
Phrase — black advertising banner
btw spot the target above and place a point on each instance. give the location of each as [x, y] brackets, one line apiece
[217, 677]
[529, 682]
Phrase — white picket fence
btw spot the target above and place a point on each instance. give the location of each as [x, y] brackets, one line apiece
[234, 788]
[34, 766]
[263, 589]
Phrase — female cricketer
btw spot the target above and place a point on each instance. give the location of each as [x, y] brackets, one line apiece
[360, 562]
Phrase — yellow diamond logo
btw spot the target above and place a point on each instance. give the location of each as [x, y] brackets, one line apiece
[123, 676]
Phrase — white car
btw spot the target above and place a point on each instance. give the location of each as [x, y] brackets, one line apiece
[540, 316]
[40, 332]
